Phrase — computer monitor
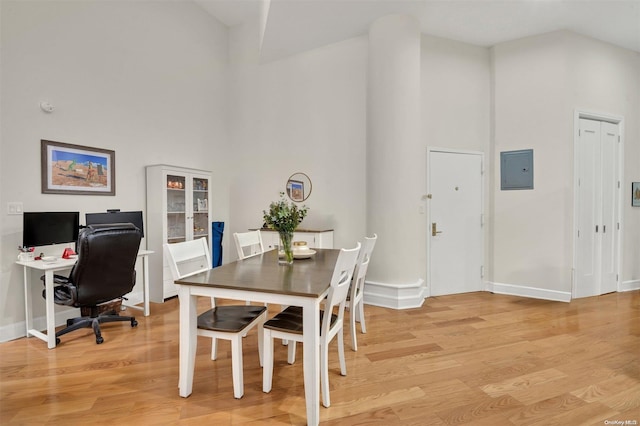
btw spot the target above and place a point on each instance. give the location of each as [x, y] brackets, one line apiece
[48, 228]
[115, 216]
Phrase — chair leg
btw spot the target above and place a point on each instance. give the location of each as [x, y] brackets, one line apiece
[343, 362]
[76, 324]
[363, 327]
[214, 348]
[284, 341]
[267, 367]
[261, 342]
[324, 373]
[96, 330]
[236, 366]
[291, 352]
[352, 328]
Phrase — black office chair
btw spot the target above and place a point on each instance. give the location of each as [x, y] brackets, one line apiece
[105, 272]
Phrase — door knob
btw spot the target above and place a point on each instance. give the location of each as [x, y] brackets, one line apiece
[434, 230]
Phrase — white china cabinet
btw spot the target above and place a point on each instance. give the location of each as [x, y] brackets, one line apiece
[178, 209]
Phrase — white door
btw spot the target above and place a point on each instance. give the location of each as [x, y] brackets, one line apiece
[455, 222]
[597, 208]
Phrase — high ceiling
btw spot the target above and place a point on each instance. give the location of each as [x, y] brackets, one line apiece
[294, 26]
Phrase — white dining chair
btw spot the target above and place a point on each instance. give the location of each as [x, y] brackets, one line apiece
[288, 325]
[228, 322]
[248, 243]
[355, 300]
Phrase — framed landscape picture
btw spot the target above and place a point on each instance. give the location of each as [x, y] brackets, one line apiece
[76, 169]
[295, 190]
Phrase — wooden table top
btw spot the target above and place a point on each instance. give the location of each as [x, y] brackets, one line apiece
[262, 273]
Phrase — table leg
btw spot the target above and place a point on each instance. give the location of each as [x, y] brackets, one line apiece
[311, 362]
[188, 336]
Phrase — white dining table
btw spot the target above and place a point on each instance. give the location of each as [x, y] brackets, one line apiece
[260, 278]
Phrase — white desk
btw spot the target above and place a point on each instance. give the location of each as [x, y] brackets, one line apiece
[49, 269]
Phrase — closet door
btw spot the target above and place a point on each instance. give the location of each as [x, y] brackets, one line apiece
[609, 207]
[598, 192]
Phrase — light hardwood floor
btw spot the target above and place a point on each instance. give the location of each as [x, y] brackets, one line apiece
[476, 359]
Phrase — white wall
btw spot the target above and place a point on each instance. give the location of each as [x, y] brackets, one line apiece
[538, 83]
[146, 79]
[532, 228]
[455, 94]
[395, 166]
[304, 113]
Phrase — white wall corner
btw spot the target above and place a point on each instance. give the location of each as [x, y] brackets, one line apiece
[395, 296]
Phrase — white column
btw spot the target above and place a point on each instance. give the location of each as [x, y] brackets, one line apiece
[395, 152]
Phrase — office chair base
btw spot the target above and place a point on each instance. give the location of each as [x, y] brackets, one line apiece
[93, 322]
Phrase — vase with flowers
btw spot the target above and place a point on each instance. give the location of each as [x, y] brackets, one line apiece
[284, 217]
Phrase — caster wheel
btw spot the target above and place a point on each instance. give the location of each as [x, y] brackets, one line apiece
[57, 341]
[99, 340]
[134, 323]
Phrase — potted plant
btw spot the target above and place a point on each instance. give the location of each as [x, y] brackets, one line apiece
[284, 217]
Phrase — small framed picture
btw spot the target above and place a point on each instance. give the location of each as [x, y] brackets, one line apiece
[635, 194]
[295, 190]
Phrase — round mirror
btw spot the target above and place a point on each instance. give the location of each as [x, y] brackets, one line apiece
[298, 187]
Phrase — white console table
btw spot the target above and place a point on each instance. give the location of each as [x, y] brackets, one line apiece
[313, 238]
[59, 265]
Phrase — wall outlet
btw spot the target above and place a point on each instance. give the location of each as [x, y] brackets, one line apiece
[14, 207]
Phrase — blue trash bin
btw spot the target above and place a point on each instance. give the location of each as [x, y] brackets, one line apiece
[217, 231]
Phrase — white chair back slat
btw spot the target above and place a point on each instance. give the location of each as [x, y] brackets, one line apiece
[188, 258]
[248, 243]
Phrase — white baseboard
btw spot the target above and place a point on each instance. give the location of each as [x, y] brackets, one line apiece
[19, 329]
[630, 285]
[395, 296]
[531, 292]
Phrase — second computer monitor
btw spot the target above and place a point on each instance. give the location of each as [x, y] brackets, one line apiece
[134, 217]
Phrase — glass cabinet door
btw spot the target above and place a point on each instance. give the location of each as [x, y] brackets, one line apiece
[200, 202]
[176, 208]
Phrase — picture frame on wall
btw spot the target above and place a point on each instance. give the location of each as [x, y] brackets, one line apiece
[77, 169]
[635, 194]
[295, 190]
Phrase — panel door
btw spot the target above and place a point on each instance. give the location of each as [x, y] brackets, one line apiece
[597, 205]
[455, 225]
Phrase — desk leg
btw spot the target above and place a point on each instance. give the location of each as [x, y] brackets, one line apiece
[28, 308]
[50, 305]
[188, 339]
[311, 362]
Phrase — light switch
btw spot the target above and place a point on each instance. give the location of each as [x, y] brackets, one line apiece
[14, 207]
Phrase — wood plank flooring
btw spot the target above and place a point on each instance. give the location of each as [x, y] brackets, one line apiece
[474, 359]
